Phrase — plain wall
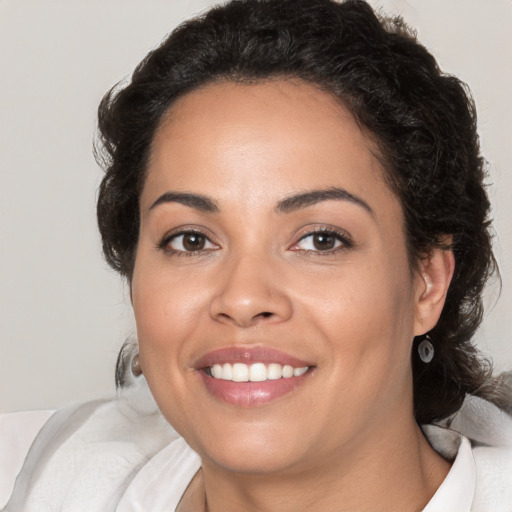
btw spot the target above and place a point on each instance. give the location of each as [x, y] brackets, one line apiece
[63, 313]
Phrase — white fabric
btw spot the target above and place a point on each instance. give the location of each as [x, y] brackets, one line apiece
[160, 484]
[86, 455]
[17, 431]
[491, 432]
[110, 456]
[458, 488]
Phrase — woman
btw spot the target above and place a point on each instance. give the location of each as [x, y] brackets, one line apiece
[294, 192]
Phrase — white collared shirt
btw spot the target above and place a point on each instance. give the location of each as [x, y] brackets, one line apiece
[457, 491]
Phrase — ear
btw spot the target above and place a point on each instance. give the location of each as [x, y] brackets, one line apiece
[433, 280]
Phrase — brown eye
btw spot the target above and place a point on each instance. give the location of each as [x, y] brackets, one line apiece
[188, 242]
[324, 241]
[193, 242]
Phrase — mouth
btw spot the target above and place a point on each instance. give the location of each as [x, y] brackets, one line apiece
[251, 376]
[257, 372]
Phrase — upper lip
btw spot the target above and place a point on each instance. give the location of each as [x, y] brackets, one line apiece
[249, 355]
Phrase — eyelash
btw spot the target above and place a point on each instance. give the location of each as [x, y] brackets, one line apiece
[340, 236]
[164, 244]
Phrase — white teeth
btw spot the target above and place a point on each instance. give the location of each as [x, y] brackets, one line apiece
[257, 372]
[274, 371]
[297, 372]
[217, 371]
[287, 371]
[240, 372]
[227, 372]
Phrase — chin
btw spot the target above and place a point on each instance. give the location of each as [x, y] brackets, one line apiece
[248, 444]
[253, 455]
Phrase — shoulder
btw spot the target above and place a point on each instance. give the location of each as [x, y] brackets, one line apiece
[88, 453]
[489, 431]
[493, 491]
[17, 432]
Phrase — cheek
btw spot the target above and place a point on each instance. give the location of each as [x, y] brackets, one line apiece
[166, 314]
[166, 309]
[365, 295]
[366, 314]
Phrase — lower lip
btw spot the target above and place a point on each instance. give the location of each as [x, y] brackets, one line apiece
[251, 394]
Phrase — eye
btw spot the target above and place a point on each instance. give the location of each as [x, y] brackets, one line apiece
[326, 241]
[187, 242]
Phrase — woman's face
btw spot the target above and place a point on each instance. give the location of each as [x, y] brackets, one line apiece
[271, 245]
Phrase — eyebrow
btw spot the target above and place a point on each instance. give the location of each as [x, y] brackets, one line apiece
[312, 197]
[287, 205]
[196, 201]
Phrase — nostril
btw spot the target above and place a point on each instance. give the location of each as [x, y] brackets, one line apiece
[265, 314]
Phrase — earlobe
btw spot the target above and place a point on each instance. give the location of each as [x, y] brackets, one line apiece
[434, 276]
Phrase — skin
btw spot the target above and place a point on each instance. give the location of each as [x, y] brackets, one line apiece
[346, 438]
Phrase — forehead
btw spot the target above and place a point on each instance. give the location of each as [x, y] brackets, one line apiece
[259, 140]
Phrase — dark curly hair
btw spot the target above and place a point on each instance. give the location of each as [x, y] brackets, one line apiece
[422, 120]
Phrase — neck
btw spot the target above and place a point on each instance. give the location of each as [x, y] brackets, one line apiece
[398, 472]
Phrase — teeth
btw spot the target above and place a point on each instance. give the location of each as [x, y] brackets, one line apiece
[287, 371]
[274, 371]
[257, 372]
[240, 372]
[217, 371]
[227, 372]
[297, 372]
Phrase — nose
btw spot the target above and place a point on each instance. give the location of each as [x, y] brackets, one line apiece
[249, 293]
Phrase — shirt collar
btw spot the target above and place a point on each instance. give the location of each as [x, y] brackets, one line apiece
[458, 488]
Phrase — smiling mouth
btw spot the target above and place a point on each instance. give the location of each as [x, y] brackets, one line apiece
[251, 376]
[256, 372]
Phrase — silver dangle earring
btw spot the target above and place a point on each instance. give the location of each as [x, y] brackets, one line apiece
[426, 350]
